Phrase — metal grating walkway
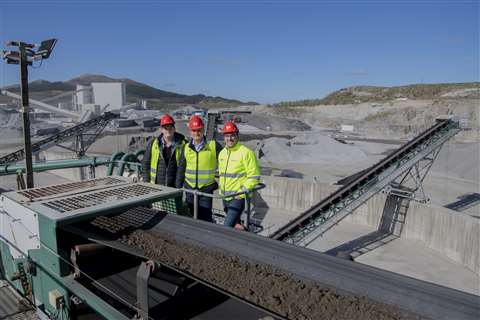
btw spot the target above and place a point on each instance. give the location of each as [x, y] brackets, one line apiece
[42, 192]
[76, 202]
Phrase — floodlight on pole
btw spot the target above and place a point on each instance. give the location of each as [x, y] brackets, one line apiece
[25, 57]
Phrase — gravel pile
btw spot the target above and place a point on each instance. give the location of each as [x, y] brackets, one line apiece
[274, 123]
[309, 148]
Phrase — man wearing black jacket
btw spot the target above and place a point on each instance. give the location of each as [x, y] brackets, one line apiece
[161, 157]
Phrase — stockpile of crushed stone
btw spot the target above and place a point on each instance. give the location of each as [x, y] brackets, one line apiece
[260, 284]
[309, 148]
[274, 123]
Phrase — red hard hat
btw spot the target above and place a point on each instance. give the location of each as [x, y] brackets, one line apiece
[166, 119]
[195, 123]
[230, 127]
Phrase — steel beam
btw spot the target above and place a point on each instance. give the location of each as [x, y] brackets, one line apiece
[26, 115]
[9, 169]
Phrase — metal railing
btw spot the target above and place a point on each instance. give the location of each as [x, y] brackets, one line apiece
[129, 162]
[248, 201]
[122, 164]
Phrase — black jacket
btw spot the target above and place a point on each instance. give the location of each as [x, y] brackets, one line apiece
[166, 172]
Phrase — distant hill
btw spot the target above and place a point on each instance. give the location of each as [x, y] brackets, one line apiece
[361, 94]
[42, 89]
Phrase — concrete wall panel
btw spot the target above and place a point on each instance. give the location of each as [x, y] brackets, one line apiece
[452, 233]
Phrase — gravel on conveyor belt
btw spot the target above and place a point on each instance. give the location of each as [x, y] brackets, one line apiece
[263, 285]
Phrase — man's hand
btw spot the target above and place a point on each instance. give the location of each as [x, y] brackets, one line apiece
[151, 265]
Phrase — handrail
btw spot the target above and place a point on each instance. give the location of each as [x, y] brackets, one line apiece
[120, 160]
[247, 210]
[257, 187]
[13, 168]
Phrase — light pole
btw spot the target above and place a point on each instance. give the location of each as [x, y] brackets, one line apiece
[25, 57]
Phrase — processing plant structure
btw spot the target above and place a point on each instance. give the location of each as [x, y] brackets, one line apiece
[115, 248]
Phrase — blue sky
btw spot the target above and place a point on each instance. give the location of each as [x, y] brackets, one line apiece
[265, 51]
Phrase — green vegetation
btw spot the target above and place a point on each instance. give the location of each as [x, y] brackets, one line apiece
[361, 94]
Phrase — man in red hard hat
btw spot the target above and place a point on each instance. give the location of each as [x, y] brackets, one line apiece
[162, 154]
[198, 164]
[238, 172]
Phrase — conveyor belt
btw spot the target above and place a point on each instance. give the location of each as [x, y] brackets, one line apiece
[316, 220]
[346, 277]
[110, 230]
[97, 124]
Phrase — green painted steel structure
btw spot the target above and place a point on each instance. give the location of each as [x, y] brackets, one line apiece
[119, 160]
[9, 169]
[47, 268]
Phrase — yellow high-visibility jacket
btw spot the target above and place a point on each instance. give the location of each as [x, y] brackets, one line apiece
[200, 166]
[238, 170]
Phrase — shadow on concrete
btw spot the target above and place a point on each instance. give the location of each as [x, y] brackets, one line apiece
[2, 190]
[465, 202]
[277, 172]
[389, 229]
[259, 211]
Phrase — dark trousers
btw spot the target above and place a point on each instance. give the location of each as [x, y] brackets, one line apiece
[233, 210]
[204, 203]
[204, 213]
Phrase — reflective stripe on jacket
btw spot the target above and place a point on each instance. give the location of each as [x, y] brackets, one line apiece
[200, 166]
[238, 170]
[156, 154]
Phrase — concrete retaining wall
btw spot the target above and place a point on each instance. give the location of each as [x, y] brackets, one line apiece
[290, 194]
[60, 154]
[370, 213]
[298, 195]
[453, 234]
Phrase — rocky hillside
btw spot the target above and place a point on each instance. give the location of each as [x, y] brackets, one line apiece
[362, 94]
[42, 89]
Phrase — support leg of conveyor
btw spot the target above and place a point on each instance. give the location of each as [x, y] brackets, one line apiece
[144, 274]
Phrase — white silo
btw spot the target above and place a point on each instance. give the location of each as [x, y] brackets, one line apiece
[83, 96]
[111, 94]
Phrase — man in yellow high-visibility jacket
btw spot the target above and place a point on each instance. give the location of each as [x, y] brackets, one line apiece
[238, 171]
[197, 164]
